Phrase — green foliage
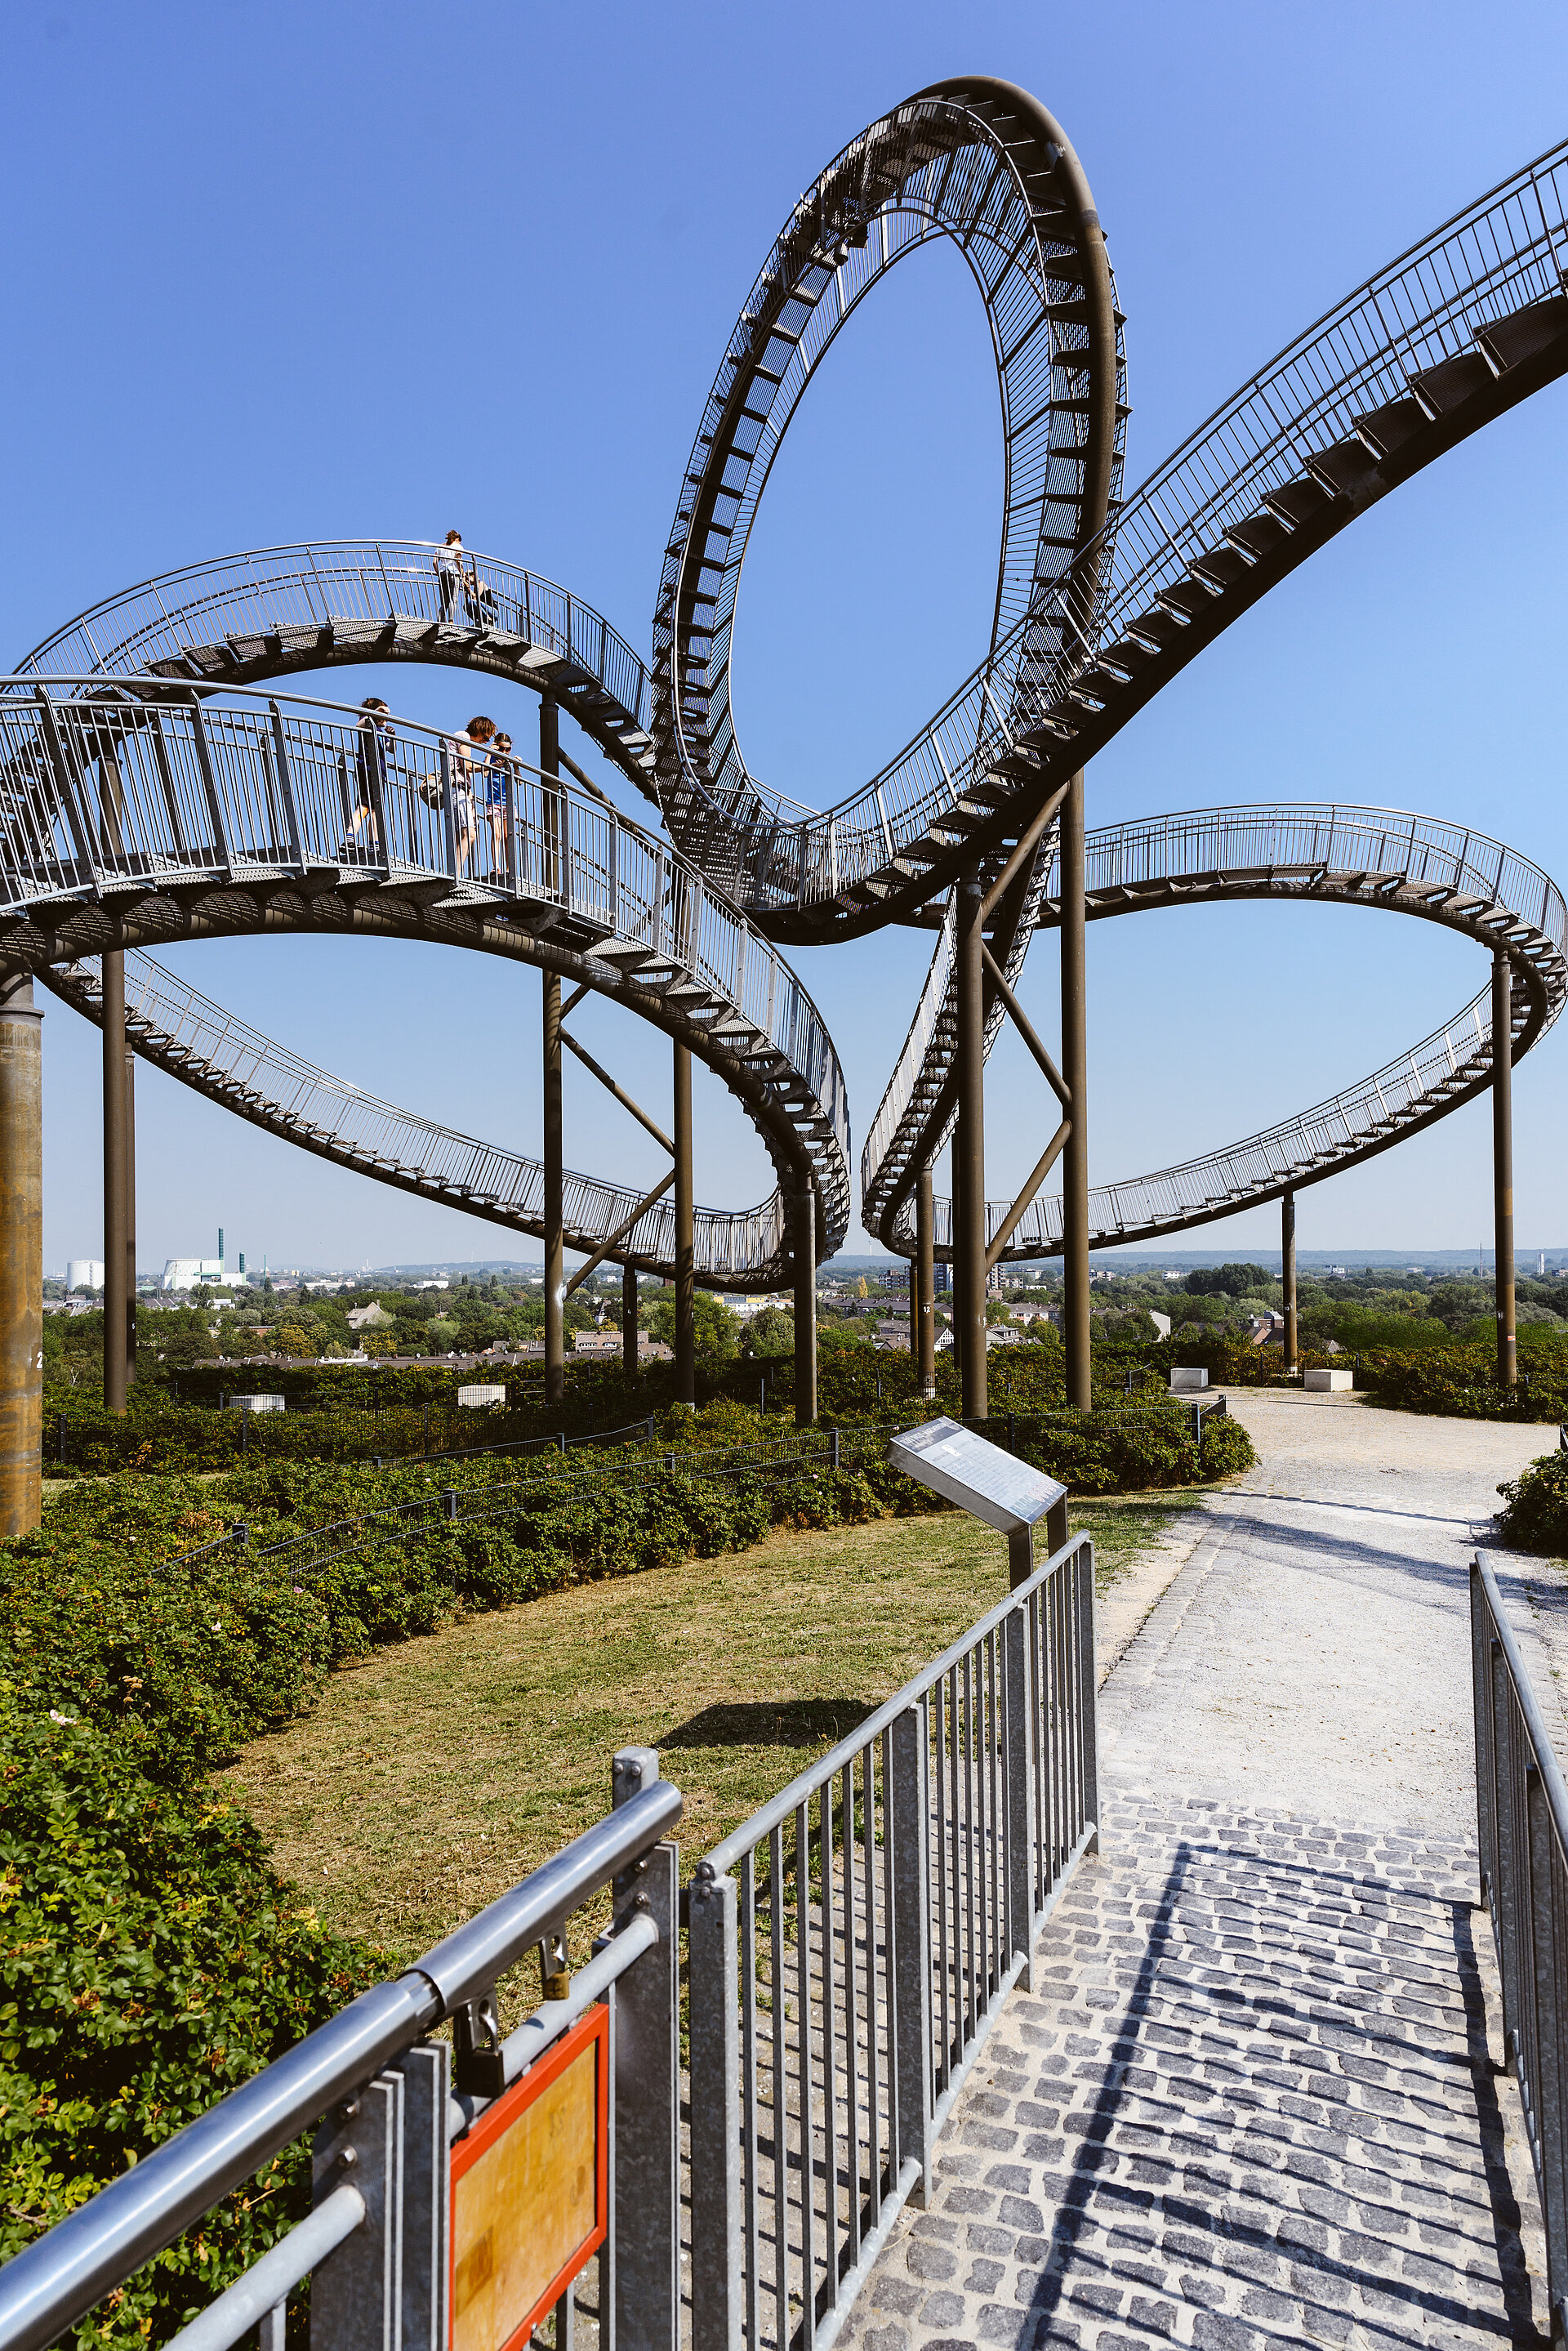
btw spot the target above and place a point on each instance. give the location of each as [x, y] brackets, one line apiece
[771, 1333]
[1534, 1516]
[1226, 1281]
[151, 1962]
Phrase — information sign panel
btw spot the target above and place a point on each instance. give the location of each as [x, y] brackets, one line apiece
[529, 2192]
[992, 1484]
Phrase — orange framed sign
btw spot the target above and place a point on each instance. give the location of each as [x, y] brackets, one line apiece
[530, 2192]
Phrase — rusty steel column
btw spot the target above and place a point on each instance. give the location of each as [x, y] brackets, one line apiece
[925, 1233]
[969, 1148]
[685, 1236]
[803, 1242]
[1502, 1165]
[555, 1197]
[130, 1215]
[114, 1182]
[915, 1305]
[628, 1320]
[21, 1258]
[1076, 1073]
[1288, 1277]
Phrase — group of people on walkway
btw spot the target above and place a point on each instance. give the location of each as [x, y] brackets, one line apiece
[480, 781]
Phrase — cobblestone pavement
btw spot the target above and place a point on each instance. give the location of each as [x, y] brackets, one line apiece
[1254, 2095]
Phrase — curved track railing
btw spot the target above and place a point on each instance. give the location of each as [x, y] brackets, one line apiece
[273, 611]
[226, 1061]
[1380, 857]
[125, 820]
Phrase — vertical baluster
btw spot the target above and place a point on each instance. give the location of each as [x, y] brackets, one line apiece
[780, 2097]
[945, 1919]
[868, 1901]
[1039, 1699]
[851, 2027]
[966, 2009]
[983, 1827]
[749, 2083]
[1000, 1954]
[803, 2066]
[889, 1964]
[829, 2058]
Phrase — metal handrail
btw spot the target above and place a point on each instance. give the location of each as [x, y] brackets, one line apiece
[1521, 1806]
[55, 2281]
[1387, 859]
[117, 785]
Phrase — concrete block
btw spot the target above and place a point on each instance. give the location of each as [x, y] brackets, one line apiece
[1327, 1383]
[1187, 1376]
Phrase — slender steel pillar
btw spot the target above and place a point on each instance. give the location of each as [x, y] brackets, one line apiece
[555, 1197]
[969, 1148]
[915, 1305]
[1502, 1165]
[1288, 1276]
[21, 1258]
[802, 1241]
[629, 1320]
[925, 1229]
[685, 1236]
[1076, 1073]
[130, 1215]
[555, 1180]
[114, 1182]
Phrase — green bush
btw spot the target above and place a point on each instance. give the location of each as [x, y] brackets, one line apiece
[151, 1962]
[1534, 1516]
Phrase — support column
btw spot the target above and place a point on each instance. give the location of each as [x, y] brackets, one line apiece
[629, 1320]
[968, 1149]
[1076, 1073]
[803, 1242]
[554, 1198]
[114, 1182]
[1288, 1276]
[130, 1215]
[1502, 1165]
[685, 1236]
[915, 1306]
[21, 1258]
[925, 1231]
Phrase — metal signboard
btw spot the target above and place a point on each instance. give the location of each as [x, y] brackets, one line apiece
[992, 1484]
[530, 2192]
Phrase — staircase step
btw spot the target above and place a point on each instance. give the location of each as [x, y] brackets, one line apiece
[1297, 502]
[1187, 596]
[1258, 534]
[1222, 567]
[1388, 428]
[1514, 341]
[1160, 627]
[1345, 468]
[1451, 382]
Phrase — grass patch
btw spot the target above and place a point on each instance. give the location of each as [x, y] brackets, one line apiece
[433, 1777]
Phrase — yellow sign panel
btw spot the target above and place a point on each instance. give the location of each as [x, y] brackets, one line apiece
[529, 2192]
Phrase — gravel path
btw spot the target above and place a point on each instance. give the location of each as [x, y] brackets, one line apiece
[1254, 2096]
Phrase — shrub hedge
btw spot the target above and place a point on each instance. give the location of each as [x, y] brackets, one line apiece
[152, 1960]
[1534, 1516]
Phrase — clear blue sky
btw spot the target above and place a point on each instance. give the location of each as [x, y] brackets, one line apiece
[276, 272]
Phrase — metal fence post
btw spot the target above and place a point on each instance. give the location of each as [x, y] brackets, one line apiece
[646, 2191]
[1088, 1698]
[713, 1960]
[427, 2195]
[356, 2294]
[1019, 1751]
[909, 1836]
[1545, 2085]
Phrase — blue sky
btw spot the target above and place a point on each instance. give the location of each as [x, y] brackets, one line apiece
[278, 273]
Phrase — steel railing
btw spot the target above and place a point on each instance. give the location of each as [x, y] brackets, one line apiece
[105, 786]
[1522, 1805]
[1383, 858]
[386, 2101]
[851, 1946]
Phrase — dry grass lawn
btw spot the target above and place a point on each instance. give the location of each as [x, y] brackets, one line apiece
[434, 1776]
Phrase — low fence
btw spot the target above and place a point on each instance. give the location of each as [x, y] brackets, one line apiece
[389, 2104]
[847, 1951]
[1522, 1809]
[851, 1945]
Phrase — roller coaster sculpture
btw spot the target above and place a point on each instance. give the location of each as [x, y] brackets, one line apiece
[152, 790]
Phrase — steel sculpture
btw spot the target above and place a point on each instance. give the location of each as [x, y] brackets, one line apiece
[975, 829]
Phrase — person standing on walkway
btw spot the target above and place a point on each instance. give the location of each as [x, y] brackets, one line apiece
[465, 750]
[451, 573]
[496, 784]
[375, 743]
